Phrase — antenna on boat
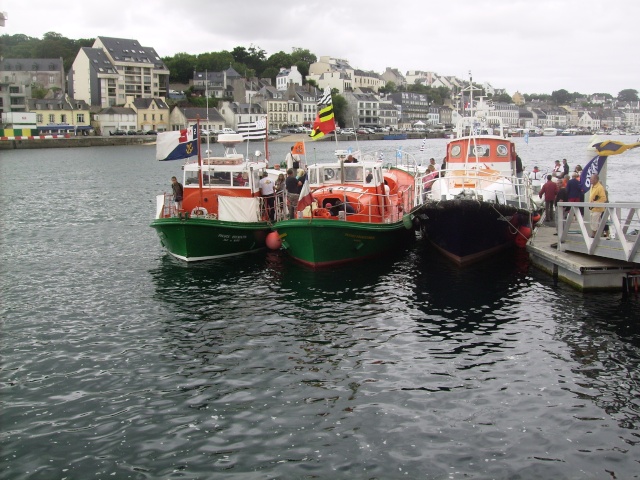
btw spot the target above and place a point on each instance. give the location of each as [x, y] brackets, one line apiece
[470, 94]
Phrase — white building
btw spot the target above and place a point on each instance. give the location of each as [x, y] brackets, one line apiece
[288, 76]
[115, 68]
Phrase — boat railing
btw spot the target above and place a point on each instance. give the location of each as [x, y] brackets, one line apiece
[616, 235]
[488, 185]
[166, 208]
[382, 208]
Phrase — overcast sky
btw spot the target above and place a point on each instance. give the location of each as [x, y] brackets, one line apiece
[530, 46]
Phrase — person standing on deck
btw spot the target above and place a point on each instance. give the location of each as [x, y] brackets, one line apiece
[176, 186]
[268, 194]
[565, 168]
[536, 179]
[549, 190]
[293, 161]
[293, 186]
[562, 196]
[574, 190]
[599, 195]
[519, 173]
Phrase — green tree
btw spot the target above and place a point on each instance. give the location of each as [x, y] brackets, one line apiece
[279, 60]
[303, 58]
[38, 91]
[252, 58]
[444, 93]
[628, 95]
[213, 61]
[181, 66]
[303, 55]
[270, 72]
[390, 87]
[561, 97]
[503, 98]
[339, 108]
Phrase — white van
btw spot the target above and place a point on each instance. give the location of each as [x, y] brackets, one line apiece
[227, 130]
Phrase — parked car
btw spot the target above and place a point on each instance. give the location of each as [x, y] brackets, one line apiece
[204, 132]
[139, 132]
[227, 130]
[151, 132]
[131, 132]
[118, 132]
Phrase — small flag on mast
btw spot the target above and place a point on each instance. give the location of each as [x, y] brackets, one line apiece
[305, 198]
[298, 148]
[253, 130]
[177, 144]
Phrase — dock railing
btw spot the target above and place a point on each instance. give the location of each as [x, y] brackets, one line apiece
[617, 235]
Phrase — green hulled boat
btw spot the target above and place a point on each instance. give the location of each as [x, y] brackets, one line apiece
[222, 213]
[195, 238]
[321, 242]
[353, 211]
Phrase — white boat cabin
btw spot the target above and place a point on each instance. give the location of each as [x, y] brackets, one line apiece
[231, 170]
[365, 171]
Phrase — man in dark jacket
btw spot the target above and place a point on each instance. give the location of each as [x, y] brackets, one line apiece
[293, 185]
[574, 189]
[549, 190]
[176, 187]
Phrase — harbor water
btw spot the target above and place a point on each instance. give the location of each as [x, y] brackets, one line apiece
[119, 361]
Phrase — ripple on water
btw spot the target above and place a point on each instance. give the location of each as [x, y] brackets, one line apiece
[121, 362]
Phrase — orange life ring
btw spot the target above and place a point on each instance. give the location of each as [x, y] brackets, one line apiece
[321, 213]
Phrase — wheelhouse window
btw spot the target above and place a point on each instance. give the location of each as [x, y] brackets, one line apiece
[331, 174]
[216, 178]
[480, 151]
[353, 174]
[191, 178]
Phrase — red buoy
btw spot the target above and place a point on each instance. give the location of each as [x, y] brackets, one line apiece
[524, 233]
[273, 241]
[535, 218]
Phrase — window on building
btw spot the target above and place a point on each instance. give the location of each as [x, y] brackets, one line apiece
[80, 118]
[39, 118]
[63, 118]
[153, 117]
[52, 118]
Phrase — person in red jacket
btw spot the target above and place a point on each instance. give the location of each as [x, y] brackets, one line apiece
[549, 190]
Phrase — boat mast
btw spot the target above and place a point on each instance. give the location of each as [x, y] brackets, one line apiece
[199, 158]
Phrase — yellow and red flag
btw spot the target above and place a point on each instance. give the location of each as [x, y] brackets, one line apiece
[325, 122]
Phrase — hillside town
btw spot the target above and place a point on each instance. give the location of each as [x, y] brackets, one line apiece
[119, 87]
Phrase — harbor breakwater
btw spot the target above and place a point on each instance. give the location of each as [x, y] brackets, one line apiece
[89, 141]
[96, 141]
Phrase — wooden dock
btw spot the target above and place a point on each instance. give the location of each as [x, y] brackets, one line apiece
[583, 272]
